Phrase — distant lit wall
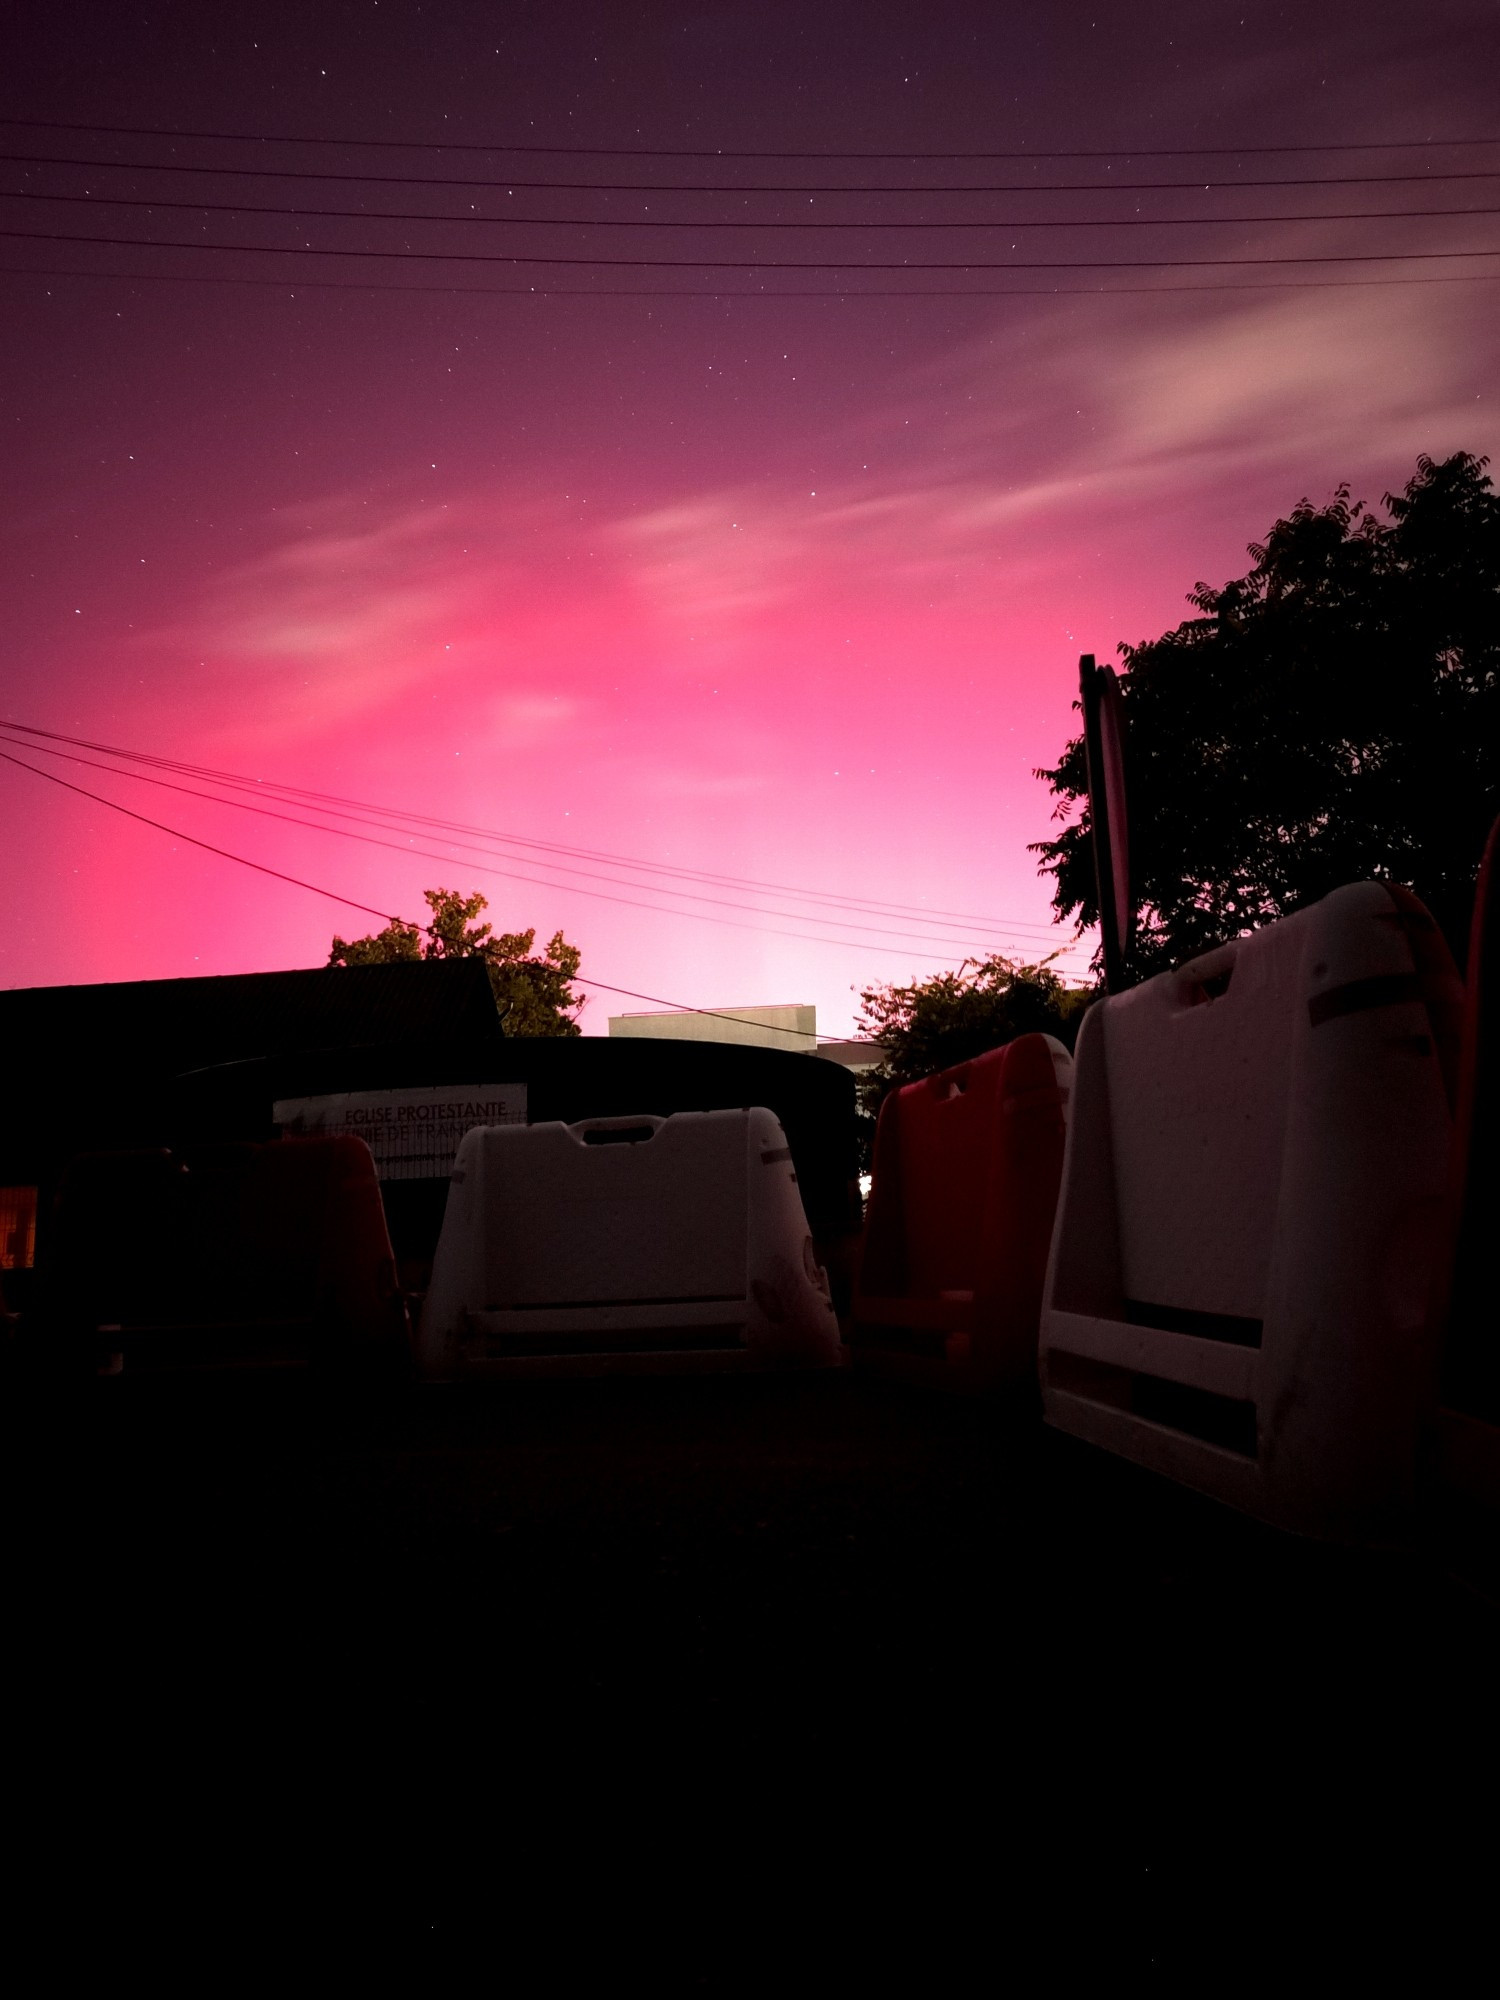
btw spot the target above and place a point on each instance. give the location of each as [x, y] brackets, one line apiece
[794, 1028]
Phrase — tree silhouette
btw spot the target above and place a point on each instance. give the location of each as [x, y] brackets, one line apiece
[934, 1023]
[533, 992]
[1331, 717]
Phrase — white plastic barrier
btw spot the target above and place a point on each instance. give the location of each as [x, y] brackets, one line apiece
[1250, 1206]
[626, 1243]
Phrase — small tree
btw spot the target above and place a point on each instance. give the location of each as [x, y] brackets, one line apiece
[934, 1023]
[532, 991]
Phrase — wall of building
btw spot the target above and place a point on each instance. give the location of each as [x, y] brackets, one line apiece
[793, 1028]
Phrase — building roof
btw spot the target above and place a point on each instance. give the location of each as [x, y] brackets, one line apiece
[174, 1025]
[853, 1055]
[99, 1065]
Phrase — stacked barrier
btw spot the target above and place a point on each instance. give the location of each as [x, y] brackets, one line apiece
[964, 1188]
[246, 1255]
[1251, 1206]
[1466, 1325]
[626, 1244]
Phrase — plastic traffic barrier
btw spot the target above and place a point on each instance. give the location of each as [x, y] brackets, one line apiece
[238, 1255]
[1464, 1463]
[963, 1192]
[626, 1244]
[1249, 1216]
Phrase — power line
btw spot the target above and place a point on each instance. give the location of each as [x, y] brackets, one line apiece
[733, 264]
[599, 985]
[260, 868]
[733, 222]
[909, 942]
[294, 286]
[711, 1013]
[750, 187]
[328, 801]
[760, 153]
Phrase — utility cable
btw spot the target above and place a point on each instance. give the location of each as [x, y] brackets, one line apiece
[533, 881]
[747, 187]
[600, 985]
[294, 286]
[329, 801]
[710, 1013]
[760, 153]
[192, 840]
[733, 264]
[370, 840]
[736, 222]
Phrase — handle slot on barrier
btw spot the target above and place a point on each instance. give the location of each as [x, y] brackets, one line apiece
[618, 1135]
[1205, 980]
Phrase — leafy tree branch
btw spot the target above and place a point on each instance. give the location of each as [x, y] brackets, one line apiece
[532, 989]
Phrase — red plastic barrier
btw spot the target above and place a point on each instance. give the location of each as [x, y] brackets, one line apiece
[225, 1255]
[966, 1173]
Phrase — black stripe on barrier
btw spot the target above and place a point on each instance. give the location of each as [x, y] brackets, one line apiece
[775, 1155]
[929, 1342]
[1218, 1420]
[1229, 1327]
[1386, 989]
[1227, 1422]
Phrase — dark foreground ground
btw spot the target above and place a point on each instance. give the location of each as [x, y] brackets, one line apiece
[713, 1685]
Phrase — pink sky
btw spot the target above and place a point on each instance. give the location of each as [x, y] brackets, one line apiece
[789, 591]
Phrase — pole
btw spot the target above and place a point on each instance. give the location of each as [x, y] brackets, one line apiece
[1091, 694]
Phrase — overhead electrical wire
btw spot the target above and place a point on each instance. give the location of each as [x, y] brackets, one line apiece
[192, 840]
[910, 943]
[432, 829]
[910, 940]
[736, 222]
[329, 801]
[333, 895]
[709, 1013]
[840, 271]
[758, 153]
[711, 295]
[748, 187]
[739, 264]
[566, 888]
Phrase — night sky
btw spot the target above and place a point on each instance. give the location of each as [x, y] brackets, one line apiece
[784, 587]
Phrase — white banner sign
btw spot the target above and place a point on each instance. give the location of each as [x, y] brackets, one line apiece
[413, 1134]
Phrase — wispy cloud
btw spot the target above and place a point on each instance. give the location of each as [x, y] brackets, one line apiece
[983, 475]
